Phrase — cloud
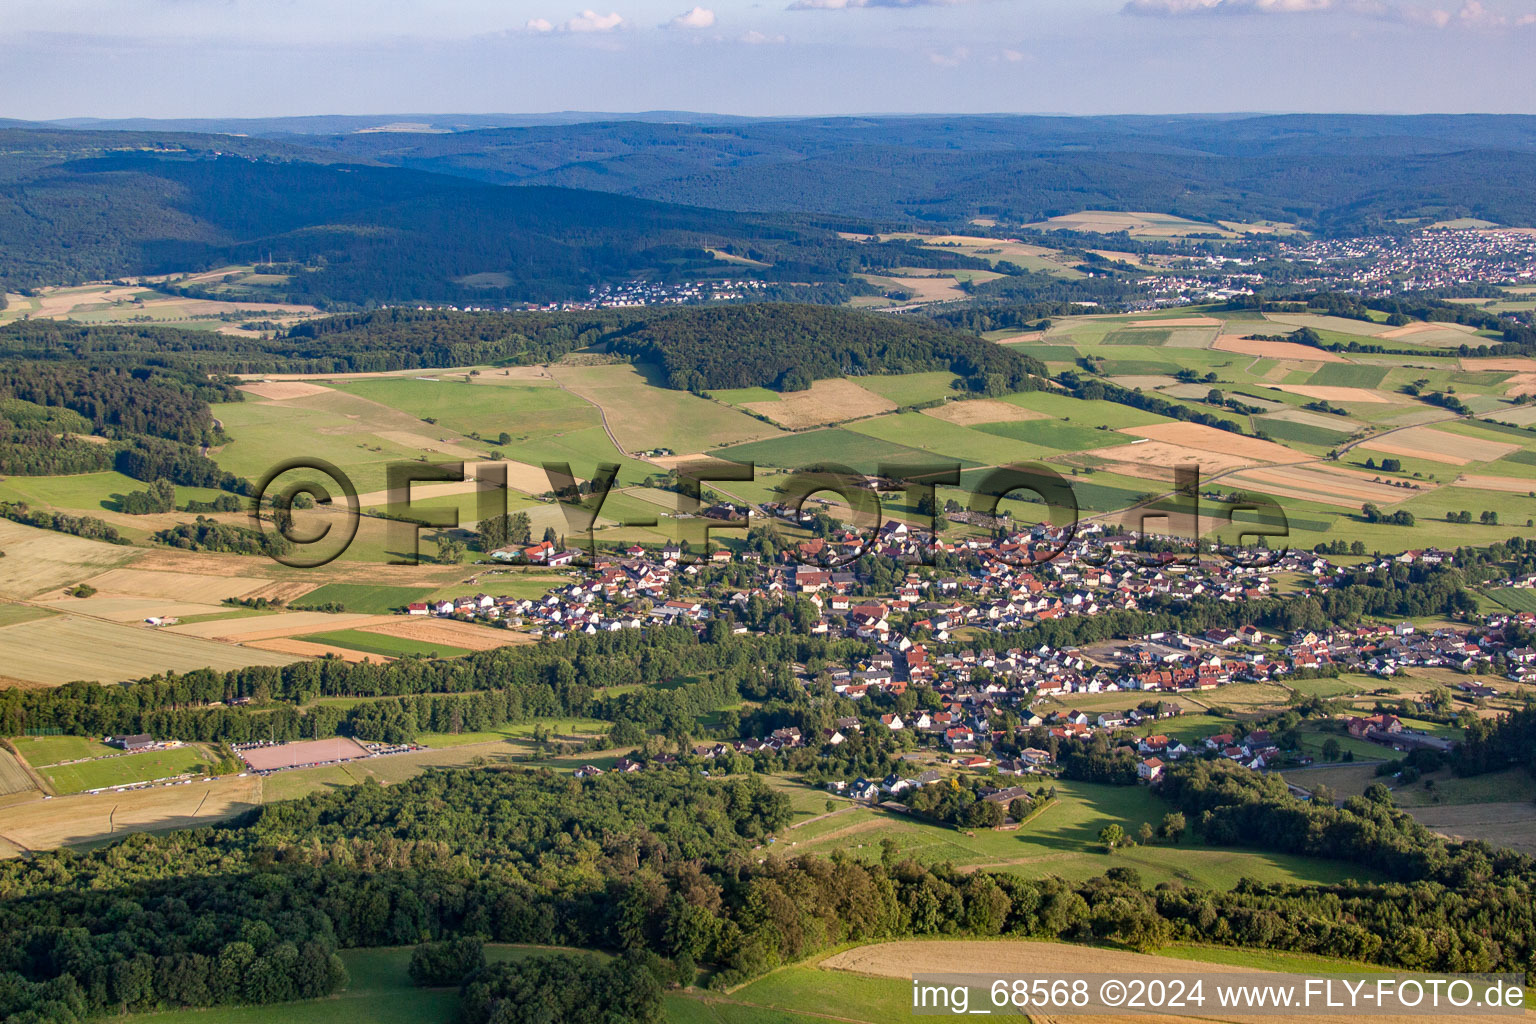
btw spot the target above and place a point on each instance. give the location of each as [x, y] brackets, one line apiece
[1014, 56]
[1173, 8]
[950, 59]
[539, 25]
[591, 21]
[848, 5]
[752, 37]
[1472, 14]
[699, 17]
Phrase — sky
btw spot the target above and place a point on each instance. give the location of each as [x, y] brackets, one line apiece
[250, 58]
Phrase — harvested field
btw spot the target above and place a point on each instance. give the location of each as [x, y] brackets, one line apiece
[1520, 384]
[41, 560]
[450, 633]
[13, 777]
[1318, 322]
[265, 627]
[1516, 364]
[1502, 824]
[130, 609]
[281, 390]
[825, 401]
[77, 819]
[305, 649]
[1429, 443]
[1524, 417]
[1335, 394]
[1314, 419]
[307, 752]
[1508, 485]
[68, 647]
[1409, 330]
[1160, 455]
[177, 586]
[1274, 349]
[982, 410]
[1323, 484]
[1210, 439]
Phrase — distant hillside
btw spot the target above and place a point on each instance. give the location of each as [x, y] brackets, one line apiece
[1340, 173]
[75, 206]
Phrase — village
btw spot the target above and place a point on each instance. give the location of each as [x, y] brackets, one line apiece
[984, 702]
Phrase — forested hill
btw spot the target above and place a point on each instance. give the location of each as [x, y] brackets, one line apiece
[356, 234]
[786, 347]
[1341, 173]
[753, 344]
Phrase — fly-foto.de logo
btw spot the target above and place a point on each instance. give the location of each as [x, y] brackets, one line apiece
[310, 511]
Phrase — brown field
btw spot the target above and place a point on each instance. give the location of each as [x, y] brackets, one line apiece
[177, 586]
[1210, 439]
[1509, 485]
[281, 390]
[38, 561]
[129, 609]
[1019, 339]
[1409, 330]
[982, 410]
[1335, 394]
[1523, 417]
[1274, 349]
[64, 648]
[1324, 484]
[266, 627]
[305, 649]
[520, 477]
[1429, 443]
[1135, 224]
[1320, 322]
[825, 401]
[40, 825]
[1509, 824]
[1316, 419]
[291, 755]
[923, 289]
[1011, 957]
[1520, 384]
[449, 632]
[1518, 364]
[14, 777]
[1151, 456]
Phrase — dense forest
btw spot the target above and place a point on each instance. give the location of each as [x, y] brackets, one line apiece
[1336, 173]
[763, 344]
[787, 347]
[662, 865]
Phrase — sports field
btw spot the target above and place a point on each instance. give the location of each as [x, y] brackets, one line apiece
[124, 769]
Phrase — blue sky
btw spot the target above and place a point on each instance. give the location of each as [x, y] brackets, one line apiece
[208, 58]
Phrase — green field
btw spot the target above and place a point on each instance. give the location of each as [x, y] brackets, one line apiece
[1348, 375]
[482, 406]
[1063, 841]
[1064, 437]
[11, 614]
[42, 751]
[910, 388]
[124, 770]
[356, 597]
[815, 447]
[1514, 600]
[1300, 433]
[378, 643]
